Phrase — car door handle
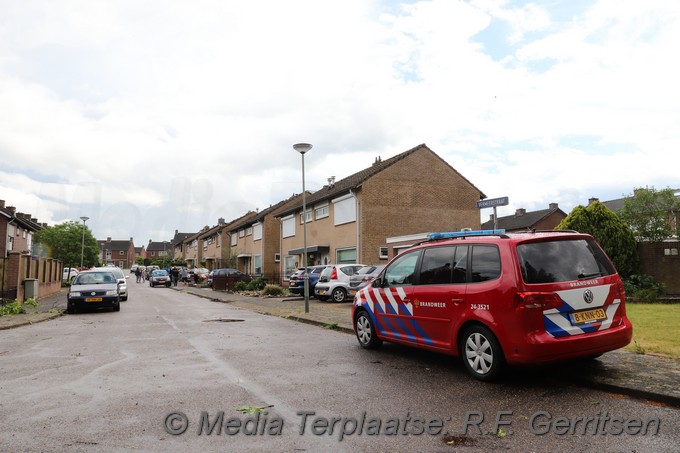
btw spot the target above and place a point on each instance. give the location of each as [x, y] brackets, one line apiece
[457, 301]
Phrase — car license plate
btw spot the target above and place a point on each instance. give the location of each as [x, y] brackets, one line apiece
[93, 299]
[322, 291]
[584, 317]
[352, 292]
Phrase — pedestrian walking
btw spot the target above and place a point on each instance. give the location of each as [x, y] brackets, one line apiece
[175, 275]
[183, 275]
[138, 274]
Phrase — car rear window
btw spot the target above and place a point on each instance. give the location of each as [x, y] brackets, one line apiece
[563, 261]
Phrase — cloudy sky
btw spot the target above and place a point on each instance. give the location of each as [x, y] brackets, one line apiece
[156, 115]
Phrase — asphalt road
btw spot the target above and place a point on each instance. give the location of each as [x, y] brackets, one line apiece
[133, 380]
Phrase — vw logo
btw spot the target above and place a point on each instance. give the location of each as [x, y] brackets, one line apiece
[92, 293]
[588, 296]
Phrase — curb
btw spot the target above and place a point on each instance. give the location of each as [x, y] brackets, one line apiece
[29, 321]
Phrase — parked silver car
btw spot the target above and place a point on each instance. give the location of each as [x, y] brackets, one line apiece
[334, 282]
[363, 277]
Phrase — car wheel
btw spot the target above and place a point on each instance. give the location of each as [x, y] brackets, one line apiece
[481, 353]
[151, 284]
[116, 307]
[124, 298]
[339, 295]
[70, 309]
[363, 326]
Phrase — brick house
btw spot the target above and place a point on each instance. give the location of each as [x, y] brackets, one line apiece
[18, 229]
[120, 253]
[210, 243]
[140, 252]
[177, 243]
[544, 219]
[255, 240]
[351, 219]
[158, 251]
[193, 248]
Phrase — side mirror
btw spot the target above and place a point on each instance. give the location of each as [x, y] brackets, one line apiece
[377, 283]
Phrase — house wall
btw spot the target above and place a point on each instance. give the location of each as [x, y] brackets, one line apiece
[549, 222]
[661, 260]
[420, 193]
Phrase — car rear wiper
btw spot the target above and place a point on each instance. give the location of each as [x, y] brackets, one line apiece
[594, 274]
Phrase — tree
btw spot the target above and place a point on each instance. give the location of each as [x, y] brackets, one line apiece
[63, 242]
[615, 237]
[651, 214]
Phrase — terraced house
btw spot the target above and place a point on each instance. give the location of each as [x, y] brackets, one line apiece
[349, 221]
[255, 241]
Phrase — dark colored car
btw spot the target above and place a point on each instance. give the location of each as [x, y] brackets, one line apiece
[296, 283]
[160, 277]
[94, 289]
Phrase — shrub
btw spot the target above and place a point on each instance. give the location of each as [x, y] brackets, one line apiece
[240, 286]
[273, 290]
[643, 287]
[16, 307]
[257, 284]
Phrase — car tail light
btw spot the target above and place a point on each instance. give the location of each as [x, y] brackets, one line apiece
[334, 274]
[537, 300]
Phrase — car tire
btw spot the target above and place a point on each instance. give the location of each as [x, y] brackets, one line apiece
[151, 284]
[365, 331]
[481, 353]
[339, 295]
[124, 298]
[116, 307]
[70, 309]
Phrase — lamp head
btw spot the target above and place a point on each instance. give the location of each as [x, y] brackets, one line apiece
[302, 147]
[84, 219]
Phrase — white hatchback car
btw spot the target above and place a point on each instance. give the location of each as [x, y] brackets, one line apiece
[334, 282]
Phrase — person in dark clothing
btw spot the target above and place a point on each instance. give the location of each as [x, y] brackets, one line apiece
[175, 275]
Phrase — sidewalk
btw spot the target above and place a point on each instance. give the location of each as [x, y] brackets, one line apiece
[646, 376]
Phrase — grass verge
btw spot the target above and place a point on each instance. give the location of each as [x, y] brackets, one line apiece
[655, 328]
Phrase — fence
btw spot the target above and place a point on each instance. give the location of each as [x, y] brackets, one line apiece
[23, 275]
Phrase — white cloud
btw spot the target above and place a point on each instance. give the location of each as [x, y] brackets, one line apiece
[162, 115]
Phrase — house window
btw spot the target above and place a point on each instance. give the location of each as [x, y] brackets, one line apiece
[344, 210]
[398, 250]
[241, 233]
[234, 240]
[257, 232]
[383, 253]
[277, 257]
[249, 231]
[288, 226]
[289, 265]
[257, 264]
[670, 252]
[344, 256]
[321, 212]
[309, 217]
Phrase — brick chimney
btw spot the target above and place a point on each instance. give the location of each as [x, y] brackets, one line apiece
[520, 212]
[491, 218]
[12, 209]
[2, 203]
[553, 206]
[592, 200]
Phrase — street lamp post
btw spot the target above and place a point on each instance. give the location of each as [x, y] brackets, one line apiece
[82, 243]
[302, 148]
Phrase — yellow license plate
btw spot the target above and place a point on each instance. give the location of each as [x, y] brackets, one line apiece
[583, 317]
[93, 299]
[322, 291]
